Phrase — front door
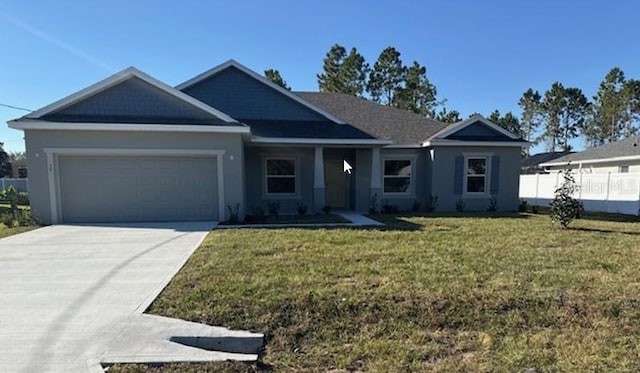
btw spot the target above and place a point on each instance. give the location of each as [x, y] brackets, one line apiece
[336, 183]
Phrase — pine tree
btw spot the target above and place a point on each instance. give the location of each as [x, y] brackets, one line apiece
[607, 120]
[386, 77]
[509, 122]
[342, 72]
[274, 76]
[445, 116]
[530, 103]
[417, 93]
[552, 107]
[5, 163]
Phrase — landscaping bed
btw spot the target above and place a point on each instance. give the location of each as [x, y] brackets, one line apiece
[474, 293]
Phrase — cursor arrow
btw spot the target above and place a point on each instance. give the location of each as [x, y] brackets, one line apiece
[347, 167]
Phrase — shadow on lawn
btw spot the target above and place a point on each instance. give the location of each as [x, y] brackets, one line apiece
[607, 231]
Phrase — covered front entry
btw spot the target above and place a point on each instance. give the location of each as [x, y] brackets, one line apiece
[338, 181]
[137, 188]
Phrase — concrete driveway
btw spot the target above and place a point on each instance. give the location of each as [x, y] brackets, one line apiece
[65, 289]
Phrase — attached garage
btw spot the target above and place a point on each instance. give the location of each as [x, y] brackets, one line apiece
[137, 188]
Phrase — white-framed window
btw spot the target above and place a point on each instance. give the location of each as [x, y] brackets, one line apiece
[476, 172]
[281, 176]
[397, 176]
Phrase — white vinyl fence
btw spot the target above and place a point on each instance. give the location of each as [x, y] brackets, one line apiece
[611, 192]
[19, 184]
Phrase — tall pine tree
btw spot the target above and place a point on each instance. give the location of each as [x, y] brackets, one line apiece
[274, 76]
[386, 77]
[607, 119]
[342, 72]
[417, 94]
[530, 103]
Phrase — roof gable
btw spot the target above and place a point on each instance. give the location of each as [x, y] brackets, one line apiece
[131, 96]
[476, 128]
[244, 94]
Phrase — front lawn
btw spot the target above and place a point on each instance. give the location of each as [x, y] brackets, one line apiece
[445, 293]
[295, 219]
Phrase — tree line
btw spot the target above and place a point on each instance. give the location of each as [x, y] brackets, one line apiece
[555, 117]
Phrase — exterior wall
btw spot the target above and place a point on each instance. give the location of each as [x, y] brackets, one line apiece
[445, 177]
[243, 97]
[37, 140]
[420, 187]
[601, 168]
[256, 195]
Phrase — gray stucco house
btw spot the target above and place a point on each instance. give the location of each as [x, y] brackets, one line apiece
[132, 148]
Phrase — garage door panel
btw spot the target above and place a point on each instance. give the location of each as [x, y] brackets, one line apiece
[110, 189]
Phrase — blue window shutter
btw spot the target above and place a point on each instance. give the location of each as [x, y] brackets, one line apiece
[495, 174]
[458, 177]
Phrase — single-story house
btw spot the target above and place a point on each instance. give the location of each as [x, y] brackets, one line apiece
[616, 157]
[132, 148]
[531, 164]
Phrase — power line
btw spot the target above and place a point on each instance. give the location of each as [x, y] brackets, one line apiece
[15, 107]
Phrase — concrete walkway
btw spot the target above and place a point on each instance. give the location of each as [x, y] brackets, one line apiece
[73, 296]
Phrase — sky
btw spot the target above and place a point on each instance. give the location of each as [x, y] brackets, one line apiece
[481, 55]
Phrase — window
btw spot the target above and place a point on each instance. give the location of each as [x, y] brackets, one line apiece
[281, 175]
[624, 169]
[476, 175]
[397, 176]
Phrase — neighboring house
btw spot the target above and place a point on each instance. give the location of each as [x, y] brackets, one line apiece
[19, 169]
[131, 148]
[531, 164]
[621, 156]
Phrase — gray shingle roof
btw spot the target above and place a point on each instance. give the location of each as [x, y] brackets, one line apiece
[305, 129]
[623, 148]
[537, 159]
[383, 122]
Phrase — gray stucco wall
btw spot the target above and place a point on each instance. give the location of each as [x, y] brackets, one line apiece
[37, 140]
[444, 178]
[255, 178]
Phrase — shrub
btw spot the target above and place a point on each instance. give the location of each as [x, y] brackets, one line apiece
[493, 204]
[565, 208]
[301, 209]
[233, 213]
[535, 209]
[432, 203]
[460, 205]
[523, 206]
[327, 210]
[274, 208]
[18, 218]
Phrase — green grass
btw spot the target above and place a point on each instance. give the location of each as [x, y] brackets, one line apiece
[476, 293]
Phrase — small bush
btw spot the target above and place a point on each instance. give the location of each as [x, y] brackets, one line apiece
[233, 213]
[523, 206]
[493, 205]
[460, 205]
[535, 209]
[327, 210]
[432, 203]
[565, 208]
[274, 208]
[301, 209]
[18, 218]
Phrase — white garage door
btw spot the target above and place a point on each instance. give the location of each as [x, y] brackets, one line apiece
[128, 189]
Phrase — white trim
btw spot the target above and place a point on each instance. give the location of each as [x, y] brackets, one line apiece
[403, 146]
[231, 63]
[318, 168]
[317, 141]
[443, 142]
[296, 176]
[591, 161]
[52, 168]
[487, 175]
[119, 77]
[449, 130]
[152, 127]
[412, 158]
